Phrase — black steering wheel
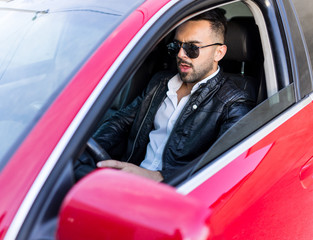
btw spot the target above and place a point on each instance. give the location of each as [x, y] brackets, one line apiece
[96, 151]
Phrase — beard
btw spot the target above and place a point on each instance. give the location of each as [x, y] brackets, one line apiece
[197, 74]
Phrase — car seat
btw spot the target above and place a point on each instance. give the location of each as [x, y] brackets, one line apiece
[244, 57]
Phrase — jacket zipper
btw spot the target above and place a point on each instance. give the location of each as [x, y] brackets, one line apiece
[137, 135]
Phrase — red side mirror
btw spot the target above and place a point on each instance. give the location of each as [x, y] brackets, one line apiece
[109, 204]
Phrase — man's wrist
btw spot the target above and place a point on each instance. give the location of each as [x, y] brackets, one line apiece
[158, 176]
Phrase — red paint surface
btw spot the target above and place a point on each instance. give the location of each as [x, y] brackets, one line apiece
[95, 203]
[260, 195]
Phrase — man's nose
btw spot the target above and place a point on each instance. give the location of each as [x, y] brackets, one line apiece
[182, 53]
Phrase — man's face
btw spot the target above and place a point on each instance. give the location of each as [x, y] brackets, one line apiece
[193, 70]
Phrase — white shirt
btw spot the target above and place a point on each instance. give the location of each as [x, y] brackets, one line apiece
[164, 122]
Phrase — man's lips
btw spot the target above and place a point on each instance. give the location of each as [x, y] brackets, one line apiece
[184, 67]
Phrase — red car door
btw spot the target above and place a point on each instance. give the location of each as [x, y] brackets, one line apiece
[261, 188]
[265, 192]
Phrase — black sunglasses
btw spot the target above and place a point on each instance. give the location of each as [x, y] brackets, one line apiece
[191, 50]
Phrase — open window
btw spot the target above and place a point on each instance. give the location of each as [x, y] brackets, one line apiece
[264, 71]
[244, 58]
[250, 59]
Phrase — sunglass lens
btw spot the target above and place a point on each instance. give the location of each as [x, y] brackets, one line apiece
[173, 49]
[192, 51]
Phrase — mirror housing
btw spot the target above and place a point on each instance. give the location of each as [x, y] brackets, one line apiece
[110, 204]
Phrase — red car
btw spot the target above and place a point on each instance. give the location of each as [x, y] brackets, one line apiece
[66, 65]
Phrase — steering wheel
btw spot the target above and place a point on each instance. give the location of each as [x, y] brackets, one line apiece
[96, 151]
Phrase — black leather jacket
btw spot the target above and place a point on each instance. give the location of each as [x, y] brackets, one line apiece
[210, 111]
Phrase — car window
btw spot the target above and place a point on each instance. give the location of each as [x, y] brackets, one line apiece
[42, 46]
[269, 103]
[237, 9]
[159, 60]
[304, 11]
[258, 70]
[299, 41]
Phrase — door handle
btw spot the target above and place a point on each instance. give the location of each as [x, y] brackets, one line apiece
[306, 175]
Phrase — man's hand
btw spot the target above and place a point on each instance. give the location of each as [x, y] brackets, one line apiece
[131, 168]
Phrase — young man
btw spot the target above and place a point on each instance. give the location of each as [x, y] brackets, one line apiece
[178, 117]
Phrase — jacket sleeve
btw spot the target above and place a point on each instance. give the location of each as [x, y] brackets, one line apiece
[232, 113]
[83, 165]
[113, 133]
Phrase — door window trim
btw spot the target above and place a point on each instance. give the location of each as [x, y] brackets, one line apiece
[269, 66]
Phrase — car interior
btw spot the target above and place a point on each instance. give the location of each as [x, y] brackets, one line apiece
[244, 58]
[244, 61]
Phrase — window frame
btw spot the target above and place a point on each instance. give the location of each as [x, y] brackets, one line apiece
[301, 66]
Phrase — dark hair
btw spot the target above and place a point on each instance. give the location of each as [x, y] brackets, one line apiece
[217, 19]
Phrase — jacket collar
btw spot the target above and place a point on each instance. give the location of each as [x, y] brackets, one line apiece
[209, 88]
[216, 81]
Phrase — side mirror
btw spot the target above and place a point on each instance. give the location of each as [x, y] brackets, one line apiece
[110, 204]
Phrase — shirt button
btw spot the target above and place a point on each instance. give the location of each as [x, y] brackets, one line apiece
[195, 107]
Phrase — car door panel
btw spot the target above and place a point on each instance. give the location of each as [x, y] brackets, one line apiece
[261, 189]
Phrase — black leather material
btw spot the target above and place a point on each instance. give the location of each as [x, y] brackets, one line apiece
[242, 40]
[211, 110]
[244, 56]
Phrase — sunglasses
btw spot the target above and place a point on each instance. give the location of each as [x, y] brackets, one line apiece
[191, 50]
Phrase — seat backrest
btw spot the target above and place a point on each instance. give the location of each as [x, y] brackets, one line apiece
[243, 45]
[244, 55]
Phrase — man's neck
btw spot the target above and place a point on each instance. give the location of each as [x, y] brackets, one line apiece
[184, 90]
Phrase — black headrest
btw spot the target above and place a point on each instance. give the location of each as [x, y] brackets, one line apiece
[242, 39]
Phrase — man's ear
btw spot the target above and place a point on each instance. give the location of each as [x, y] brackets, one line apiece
[220, 52]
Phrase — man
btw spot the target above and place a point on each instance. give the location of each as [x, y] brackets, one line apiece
[178, 117]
